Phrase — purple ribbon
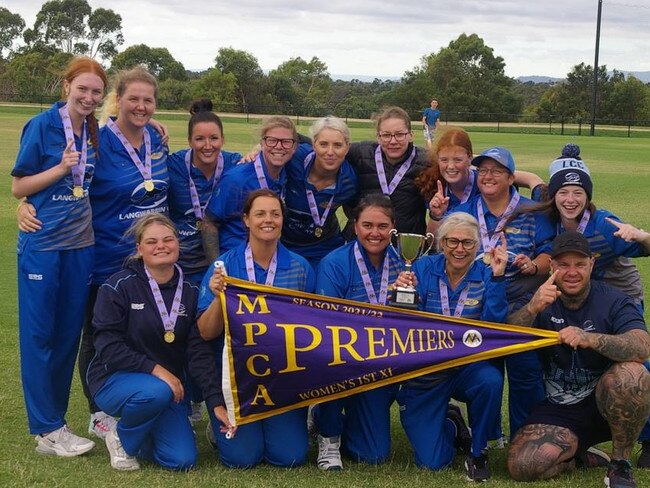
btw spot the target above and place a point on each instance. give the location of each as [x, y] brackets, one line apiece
[250, 266]
[145, 169]
[199, 210]
[487, 241]
[168, 319]
[313, 207]
[261, 177]
[468, 187]
[444, 300]
[80, 168]
[388, 189]
[586, 215]
[365, 277]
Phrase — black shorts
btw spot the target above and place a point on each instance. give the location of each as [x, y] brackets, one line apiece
[582, 418]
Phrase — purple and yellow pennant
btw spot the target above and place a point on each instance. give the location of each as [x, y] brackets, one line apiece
[286, 349]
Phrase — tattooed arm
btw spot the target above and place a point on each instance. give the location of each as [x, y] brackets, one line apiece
[210, 237]
[633, 345]
[543, 297]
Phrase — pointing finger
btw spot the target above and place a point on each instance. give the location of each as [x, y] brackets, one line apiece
[615, 223]
[551, 279]
[440, 189]
[68, 148]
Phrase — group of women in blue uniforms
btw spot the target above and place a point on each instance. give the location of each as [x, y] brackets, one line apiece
[272, 221]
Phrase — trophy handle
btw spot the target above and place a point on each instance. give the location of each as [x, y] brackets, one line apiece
[430, 240]
[394, 242]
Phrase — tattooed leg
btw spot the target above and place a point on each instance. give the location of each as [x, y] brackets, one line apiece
[541, 451]
[623, 398]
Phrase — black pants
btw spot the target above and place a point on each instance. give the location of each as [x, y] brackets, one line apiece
[87, 347]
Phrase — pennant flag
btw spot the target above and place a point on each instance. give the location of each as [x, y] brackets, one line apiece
[285, 349]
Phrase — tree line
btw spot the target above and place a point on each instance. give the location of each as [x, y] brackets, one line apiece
[466, 76]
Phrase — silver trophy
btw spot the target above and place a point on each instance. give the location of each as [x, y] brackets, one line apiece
[410, 247]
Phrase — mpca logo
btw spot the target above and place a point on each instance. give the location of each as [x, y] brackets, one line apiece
[472, 338]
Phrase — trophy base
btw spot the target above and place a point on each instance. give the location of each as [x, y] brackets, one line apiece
[404, 298]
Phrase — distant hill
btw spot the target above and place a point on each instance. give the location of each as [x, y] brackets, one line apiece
[644, 76]
[538, 79]
[364, 78]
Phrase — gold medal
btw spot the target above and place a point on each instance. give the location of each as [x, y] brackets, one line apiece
[318, 232]
[169, 337]
[199, 224]
[148, 185]
[77, 191]
[487, 258]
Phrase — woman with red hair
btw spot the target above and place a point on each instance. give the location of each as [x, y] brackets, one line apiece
[54, 167]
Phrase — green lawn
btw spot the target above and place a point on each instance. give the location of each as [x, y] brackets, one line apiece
[620, 170]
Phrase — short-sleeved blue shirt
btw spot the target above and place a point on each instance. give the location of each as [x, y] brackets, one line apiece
[339, 276]
[67, 221]
[192, 257]
[298, 232]
[528, 233]
[571, 375]
[118, 198]
[292, 272]
[227, 202]
[431, 115]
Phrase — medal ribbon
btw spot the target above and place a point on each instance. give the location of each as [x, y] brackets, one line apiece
[365, 276]
[79, 169]
[444, 300]
[468, 187]
[250, 266]
[489, 242]
[381, 172]
[313, 207]
[261, 177]
[586, 215]
[199, 210]
[145, 169]
[168, 319]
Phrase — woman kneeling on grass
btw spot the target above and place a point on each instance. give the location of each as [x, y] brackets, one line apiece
[280, 440]
[145, 339]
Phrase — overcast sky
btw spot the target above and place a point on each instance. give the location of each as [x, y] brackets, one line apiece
[385, 37]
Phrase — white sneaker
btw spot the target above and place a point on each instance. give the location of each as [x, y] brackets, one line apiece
[62, 442]
[196, 414]
[101, 424]
[120, 460]
[499, 443]
[329, 453]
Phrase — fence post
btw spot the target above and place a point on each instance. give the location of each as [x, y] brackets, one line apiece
[629, 128]
[580, 126]
[550, 124]
[562, 126]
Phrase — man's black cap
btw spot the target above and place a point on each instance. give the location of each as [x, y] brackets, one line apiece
[570, 241]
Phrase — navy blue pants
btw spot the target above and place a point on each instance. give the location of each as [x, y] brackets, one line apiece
[365, 426]
[423, 413]
[151, 425]
[52, 294]
[281, 440]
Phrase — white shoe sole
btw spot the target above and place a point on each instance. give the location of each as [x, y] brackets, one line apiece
[51, 451]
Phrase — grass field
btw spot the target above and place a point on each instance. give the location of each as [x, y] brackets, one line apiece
[621, 174]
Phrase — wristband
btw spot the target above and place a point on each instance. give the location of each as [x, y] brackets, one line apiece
[437, 219]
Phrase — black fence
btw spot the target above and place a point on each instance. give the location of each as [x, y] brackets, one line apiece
[475, 121]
